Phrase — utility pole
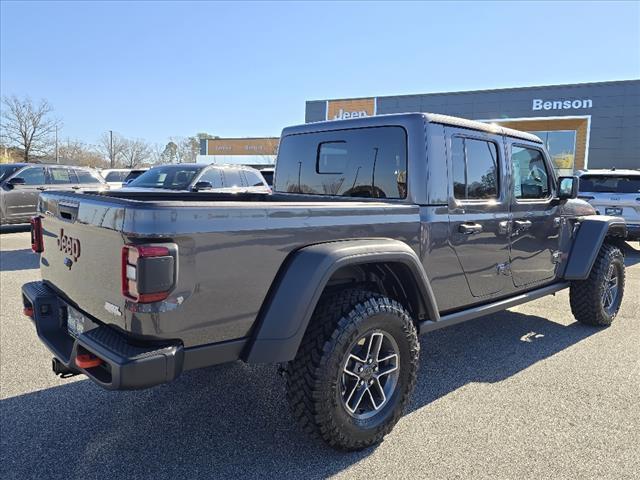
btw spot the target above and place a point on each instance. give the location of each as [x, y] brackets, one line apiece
[57, 157]
[111, 156]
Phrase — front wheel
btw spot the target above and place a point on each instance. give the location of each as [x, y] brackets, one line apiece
[355, 369]
[596, 300]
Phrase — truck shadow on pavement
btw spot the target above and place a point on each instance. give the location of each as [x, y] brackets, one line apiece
[12, 260]
[232, 421]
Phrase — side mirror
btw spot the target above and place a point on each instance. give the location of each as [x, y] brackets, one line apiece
[567, 187]
[202, 186]
[16, 181]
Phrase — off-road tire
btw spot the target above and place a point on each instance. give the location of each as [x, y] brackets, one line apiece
[313, 376]
[585, 296]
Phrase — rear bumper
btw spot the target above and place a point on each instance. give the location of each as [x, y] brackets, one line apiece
[125, 365]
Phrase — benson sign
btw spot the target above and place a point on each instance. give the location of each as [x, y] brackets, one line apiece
[562, 104]
[241, 146]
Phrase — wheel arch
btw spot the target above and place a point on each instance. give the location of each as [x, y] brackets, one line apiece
[593, 231]
[285, 314]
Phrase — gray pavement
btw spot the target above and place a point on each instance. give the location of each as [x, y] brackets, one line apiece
[526, 393]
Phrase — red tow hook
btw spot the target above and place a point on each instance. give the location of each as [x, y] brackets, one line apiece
[28, 311]
[87, 360]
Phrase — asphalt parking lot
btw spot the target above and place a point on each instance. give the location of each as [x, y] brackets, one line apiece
[526, 393]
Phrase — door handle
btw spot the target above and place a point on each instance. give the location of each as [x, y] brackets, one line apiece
[76, 187]
[42, 189]
[523, 224]
[470, 228]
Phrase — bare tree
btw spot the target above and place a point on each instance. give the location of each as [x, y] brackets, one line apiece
[74, 152]
[134, 152]
[187, 148]
[27, 125]
[111, 145]
[169, 153]
[156, 150]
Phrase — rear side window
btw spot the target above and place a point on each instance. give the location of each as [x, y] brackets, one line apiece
[32, 176]
[61, 176]
[232, 178]
[213, 176]
[475, 169]
[133, 174]
[253, 179]
[610, 184]
[84, 176]
[530, 174]
[268, 177]
[364, 162]
[116, 176]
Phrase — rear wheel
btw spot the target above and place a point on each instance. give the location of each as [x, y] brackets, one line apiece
[596, 300]
[355, 369]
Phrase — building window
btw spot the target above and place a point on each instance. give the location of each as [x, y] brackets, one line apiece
[561, 145]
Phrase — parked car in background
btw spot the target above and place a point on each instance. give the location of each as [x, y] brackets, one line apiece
[267, 173]
[22, 183]
[117, 177]
[195, 177]
[613, 192]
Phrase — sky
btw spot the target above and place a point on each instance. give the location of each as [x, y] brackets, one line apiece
[155, 70]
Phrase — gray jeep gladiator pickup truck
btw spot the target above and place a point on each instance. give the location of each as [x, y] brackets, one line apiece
[379, 229]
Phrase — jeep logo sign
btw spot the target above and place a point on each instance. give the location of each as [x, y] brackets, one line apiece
[540, 104]
[69, 245]
[356, 108]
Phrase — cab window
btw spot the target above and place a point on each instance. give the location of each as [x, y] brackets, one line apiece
[32, 176]
[475, 169]
[84, 176]
[58, 176]
[530, 173]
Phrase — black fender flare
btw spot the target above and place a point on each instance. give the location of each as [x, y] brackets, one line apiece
[286, 312]
[587, 241]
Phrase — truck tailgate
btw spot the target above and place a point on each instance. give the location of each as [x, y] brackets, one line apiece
[82, 253]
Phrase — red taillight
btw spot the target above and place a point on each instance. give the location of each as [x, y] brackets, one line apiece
[37, 243]
[131, 256]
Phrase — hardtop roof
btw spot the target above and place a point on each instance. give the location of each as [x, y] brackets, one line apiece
[389, 119]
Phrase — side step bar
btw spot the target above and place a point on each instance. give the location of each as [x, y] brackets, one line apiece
[489, 308]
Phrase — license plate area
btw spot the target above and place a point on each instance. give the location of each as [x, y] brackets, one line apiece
[613, 211]
[78, 323]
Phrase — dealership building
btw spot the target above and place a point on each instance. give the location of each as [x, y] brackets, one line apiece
[588, 125]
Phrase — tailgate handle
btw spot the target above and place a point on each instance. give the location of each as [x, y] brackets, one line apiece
[68, 212]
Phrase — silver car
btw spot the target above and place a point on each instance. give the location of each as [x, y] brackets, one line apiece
[22, 183]
[613, 192]
[196, 177]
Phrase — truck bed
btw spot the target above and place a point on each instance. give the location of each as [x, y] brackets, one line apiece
[224, 240]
